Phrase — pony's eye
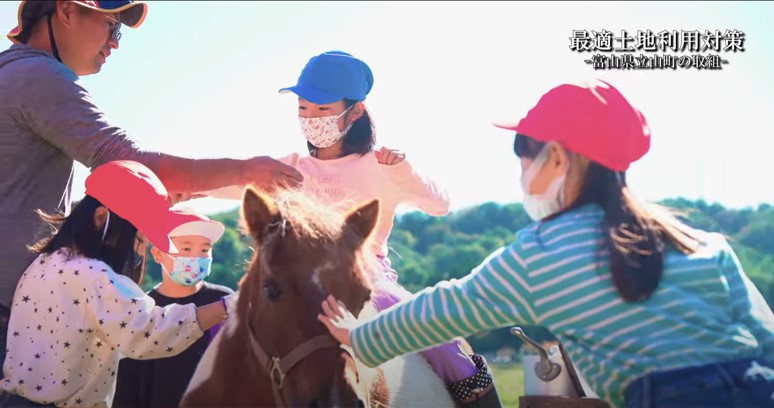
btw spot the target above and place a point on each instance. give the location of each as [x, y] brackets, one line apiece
[272, 290]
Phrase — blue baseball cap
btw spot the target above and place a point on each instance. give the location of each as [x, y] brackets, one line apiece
[333, 76]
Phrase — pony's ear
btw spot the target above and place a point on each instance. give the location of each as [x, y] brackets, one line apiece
[363, 219]
[258, 211]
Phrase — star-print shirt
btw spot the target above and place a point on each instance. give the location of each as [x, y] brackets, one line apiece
[73, 319]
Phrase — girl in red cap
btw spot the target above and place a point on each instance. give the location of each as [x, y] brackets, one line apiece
[343, 167]
[652, 312]
[78, 307]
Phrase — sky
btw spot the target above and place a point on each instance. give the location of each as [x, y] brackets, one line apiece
[200, 79]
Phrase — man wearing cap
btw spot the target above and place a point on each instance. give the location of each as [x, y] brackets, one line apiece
[48, 120]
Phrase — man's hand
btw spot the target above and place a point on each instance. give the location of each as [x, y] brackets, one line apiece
[389, 156]
[268, 173]
[175, 198]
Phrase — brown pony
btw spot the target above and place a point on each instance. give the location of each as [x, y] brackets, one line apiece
[273, 351]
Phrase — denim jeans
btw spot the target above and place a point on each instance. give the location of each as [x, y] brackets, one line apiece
[5, 315]
[747, 383]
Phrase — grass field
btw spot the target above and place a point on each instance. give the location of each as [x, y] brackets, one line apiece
[509, 379]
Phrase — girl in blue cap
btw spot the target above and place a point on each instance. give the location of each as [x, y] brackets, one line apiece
[342, 167]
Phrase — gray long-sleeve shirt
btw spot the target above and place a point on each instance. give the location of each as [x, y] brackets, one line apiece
[47, 121]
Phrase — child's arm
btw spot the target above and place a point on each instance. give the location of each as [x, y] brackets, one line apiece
[126, 318]
[216, 328]
[412, 187]
[748, 305]
[494, 295]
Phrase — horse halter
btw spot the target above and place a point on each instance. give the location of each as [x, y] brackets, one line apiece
[278, 367]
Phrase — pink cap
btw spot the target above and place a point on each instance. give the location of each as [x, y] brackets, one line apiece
[592, 119]
[136, 194]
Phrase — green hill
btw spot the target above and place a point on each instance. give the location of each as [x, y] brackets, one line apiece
[426, 249]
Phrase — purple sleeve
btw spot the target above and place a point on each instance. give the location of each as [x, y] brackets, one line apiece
[213, 331]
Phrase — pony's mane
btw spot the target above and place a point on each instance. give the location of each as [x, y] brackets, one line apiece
[309, 217]
[315, 220]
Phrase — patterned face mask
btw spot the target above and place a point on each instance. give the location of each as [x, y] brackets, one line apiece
[324, 131]
[189, 270]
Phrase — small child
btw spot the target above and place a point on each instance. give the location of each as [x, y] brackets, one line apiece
[78, 308]
[162, 382]
[343, 168]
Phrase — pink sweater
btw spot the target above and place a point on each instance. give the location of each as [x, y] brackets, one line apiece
[354, 179]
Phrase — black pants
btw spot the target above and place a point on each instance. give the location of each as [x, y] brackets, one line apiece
[5, 315]
[15, 401]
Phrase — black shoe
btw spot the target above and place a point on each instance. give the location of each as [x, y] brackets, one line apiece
[477, 390]
[489, 399]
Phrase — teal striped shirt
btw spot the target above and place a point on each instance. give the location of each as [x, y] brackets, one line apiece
[556, 274]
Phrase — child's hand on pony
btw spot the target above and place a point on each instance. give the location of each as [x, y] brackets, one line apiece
[389, 157]
[337, 319]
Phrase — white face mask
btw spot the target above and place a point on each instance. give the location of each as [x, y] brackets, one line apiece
[540, 206]
[324, 131]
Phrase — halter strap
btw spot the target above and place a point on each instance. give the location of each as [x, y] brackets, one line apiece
[278, 367]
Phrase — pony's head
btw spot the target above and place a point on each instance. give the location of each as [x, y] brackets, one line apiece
[303, 251]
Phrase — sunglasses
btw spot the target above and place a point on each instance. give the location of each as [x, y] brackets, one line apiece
[114, 31]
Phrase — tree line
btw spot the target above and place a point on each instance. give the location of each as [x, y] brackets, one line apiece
[425, 249]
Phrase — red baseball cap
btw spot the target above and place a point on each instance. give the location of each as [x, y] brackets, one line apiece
[129, 12]
[135, 193]
[592, 119]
